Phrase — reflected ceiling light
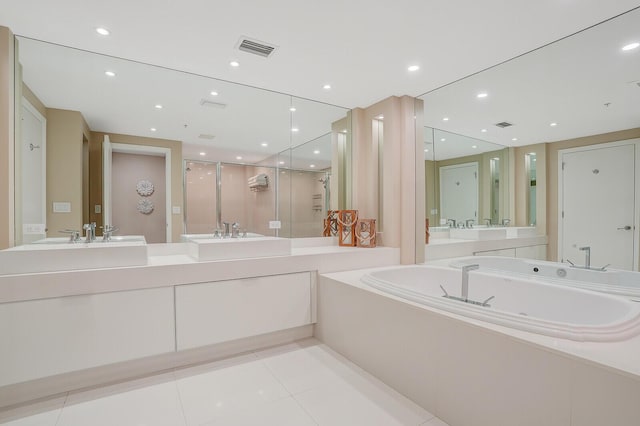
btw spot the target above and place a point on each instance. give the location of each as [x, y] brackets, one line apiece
[426, 150]
[153, 129]
[553, 124]
[482, 95]
[316, 152]
[264, 144]
[532, 153]
[442, 139]
[312, 165]
[380, 117]
[292, 109]
[533, 159]
[327, 87]
[203, 153]
[496, 158]
[344, 130]
[238, 158]
[214, 93]
[281, 162]
[294, 129]
[234, 64]
[631, 46]
[158, 106]
[474, 146]
[413, 68]
[445, 119]
[514, 139]
[484, 130]
[110, 73]
[209, 173]
[103, 31]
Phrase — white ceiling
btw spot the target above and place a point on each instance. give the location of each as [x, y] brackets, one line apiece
[361, 48]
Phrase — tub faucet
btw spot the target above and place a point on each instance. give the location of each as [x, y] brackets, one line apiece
[465, 280]
[587, 256]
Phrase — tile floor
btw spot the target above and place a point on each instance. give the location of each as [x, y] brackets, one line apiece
[299, 384]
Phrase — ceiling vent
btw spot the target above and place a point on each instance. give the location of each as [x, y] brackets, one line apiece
[205, 136]
[256, 47]
[211, 104]
[503, 124]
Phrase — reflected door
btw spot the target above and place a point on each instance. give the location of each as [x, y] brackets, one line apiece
[459, 192]
[598, 187]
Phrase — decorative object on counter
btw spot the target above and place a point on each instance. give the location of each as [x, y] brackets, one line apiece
[145, 206]
[366, 233]
[144, 187]
[258, 182]
[331, 224]
[426, 231]
[346, 227]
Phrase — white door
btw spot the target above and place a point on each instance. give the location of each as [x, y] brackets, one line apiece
[33, 174]
[459, 192]
[597, 211]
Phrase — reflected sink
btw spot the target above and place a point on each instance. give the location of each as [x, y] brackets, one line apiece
[521, 231]
[478, 233]
[58, 254]
[238, 248]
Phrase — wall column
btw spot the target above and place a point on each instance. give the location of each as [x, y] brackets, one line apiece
[7, 144]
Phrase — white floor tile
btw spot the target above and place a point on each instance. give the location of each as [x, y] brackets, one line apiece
[157, 405]
[310, 367]
[360, 403]
[48, 418]
[222, 392]
[435, 422]
[285, 412]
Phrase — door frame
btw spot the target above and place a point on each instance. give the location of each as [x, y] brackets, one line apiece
[636, 214]
[111, 147]
[43, 148]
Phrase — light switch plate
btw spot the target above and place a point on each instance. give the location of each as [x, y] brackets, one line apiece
[97, 209]
[275, 224]
[176, 209]
[61, 207]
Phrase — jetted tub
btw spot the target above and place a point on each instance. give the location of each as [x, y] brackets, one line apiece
[519, 303]
[613, 281]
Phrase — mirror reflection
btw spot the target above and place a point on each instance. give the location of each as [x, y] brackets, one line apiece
[162, 153]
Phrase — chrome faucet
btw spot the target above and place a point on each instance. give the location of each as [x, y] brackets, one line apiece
[107, 232]
[235, 230]
[469, 223]
[227, 230]
[74, 235]
[90, 229]
[488, 222]
[465, 280]
[587, 257]
[506, 222]
[451, 223]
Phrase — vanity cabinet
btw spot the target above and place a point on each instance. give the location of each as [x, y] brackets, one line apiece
[46, 337]
[215, 312]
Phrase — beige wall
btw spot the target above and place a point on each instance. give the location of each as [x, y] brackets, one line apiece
[65, 133]
[34, 100]
[177, 225]
[552, 177]
[7, 125]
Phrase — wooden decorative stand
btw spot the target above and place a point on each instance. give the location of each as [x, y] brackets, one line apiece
[366, 233]
[347, 220]
[426, 236]
[331, 224]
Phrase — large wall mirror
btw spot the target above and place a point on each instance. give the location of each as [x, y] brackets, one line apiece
[581, 91]
[163, 153]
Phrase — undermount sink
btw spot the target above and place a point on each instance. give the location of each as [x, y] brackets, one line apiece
[478, 233]
[59, 254]
[238, 248]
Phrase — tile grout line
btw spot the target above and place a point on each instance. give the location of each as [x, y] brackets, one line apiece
[64, 404]
[184, 414]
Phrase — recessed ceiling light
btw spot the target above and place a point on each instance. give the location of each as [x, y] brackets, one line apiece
[292, 109]
[294, 129]
[103, 31]
[484, 130]
[553, 124]
[474, 146]
[158, 106]
[312, 165]
[426, 150]
[442, 140]
[238, 158]
[482, 95]
[153, 129]
[316, 151]
[264, 144]
[631, 46]
[413, 68]
[214, 93]
[380, 117]
[445, 119]
[327, 87]
[514, 139]
[110, 73]
[281, 162]
[203, 153]
[234, 64]
[209, 173]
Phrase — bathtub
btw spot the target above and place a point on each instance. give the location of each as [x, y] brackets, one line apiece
[613, 281]
[520, 303]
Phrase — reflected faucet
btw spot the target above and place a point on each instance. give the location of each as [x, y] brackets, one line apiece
[227, 230]
[488, 222]
[506, 222]
[107, 232]
[469, 223]
[235, 230]
[465, 280]
[587, 257]
[90, 229]
[451, 223]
